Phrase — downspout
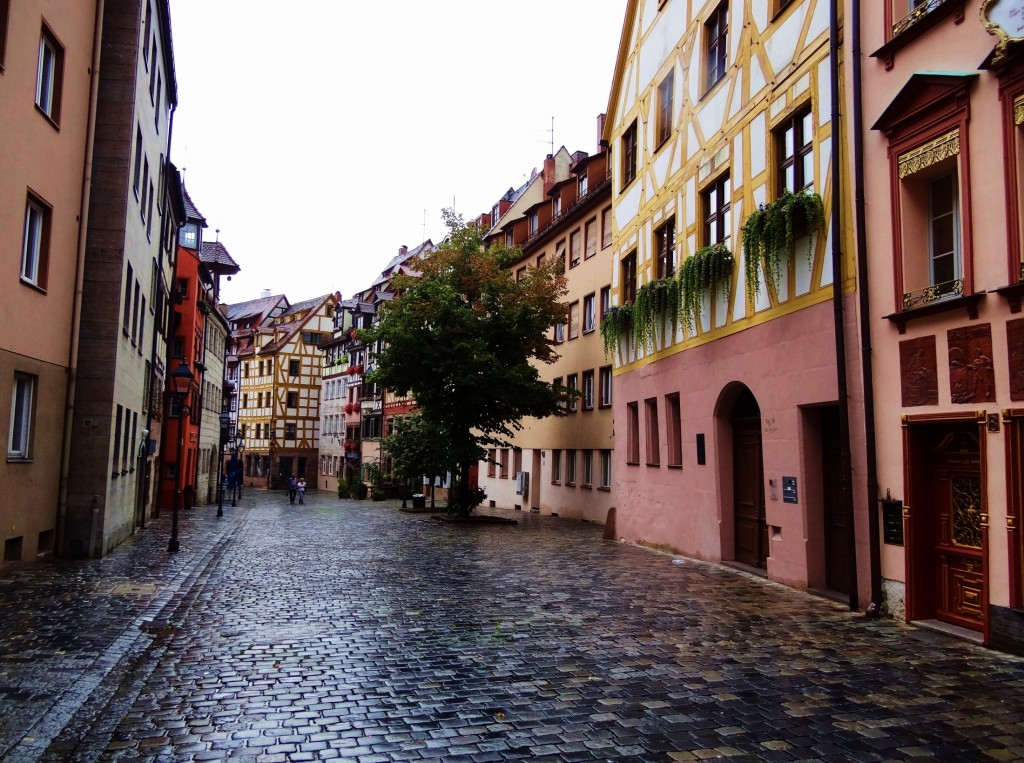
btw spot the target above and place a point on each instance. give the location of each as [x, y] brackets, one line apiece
[846, 467]
[76, 306]
[874, 548]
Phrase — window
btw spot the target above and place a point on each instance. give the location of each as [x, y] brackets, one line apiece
[138, 161]
[152, 72]
[521, 274]
[652, 442]
[606, 227]
[556, 207]
[510, 239]
[559, 333]
[716, 33]
[259, 399]
[146, 28]
[589, 317]
[570, 467]
[293, 367]
[492, 456]
[673, 423]
[289, 431]
[943, 232]
[534, 223]
[582, 188]
[573, 384]
[591, 238]
[588, 468]
[149, 213]
[604, 399]
[633, 433]
[127, 306]
[715, 209]
[117, 441]
[556, 383]
[4, 9]
[556, 466]
[245, 370]
[665, 249]
[629, 155]
[145, 186]
[261, 369]
[49, 75]
[574, 320]
[606, 300]
[504, 464]
[35, 246]
[156, 109]
[665, 90]
[588, 390]
[19, 441]
[188, 236]
[574, 249]
[628, 266]
[293, 399]
[137, 303]
[245, 399]
[795, 151]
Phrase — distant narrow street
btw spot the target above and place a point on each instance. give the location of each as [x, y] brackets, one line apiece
[345, 630]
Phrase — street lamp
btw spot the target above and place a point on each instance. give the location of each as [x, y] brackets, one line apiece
[225, 421]
[181, 378]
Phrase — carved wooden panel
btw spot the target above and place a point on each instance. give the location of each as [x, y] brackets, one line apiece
[1015, 352]
[919, 377]
[972, 378]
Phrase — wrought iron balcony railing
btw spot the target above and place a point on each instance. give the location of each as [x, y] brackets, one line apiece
[934, 293]
[920, 11]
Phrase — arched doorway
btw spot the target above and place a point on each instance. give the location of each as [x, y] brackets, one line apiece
[750, 530]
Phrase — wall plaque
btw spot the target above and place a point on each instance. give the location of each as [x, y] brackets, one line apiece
[1015, 352]
[972, 378]
[789, 490]
[919, 377]
[892, 521]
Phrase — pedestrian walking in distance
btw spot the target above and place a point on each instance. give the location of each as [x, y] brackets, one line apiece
[293, 488]
[302, 489]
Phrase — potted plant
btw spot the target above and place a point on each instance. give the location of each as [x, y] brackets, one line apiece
[705, 268]
[654, 300]
[769, 233]
[614, 323]
[361, 490]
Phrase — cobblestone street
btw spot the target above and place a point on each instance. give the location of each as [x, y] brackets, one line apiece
[344, 630]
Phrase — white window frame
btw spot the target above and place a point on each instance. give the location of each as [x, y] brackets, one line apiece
[33, 247]
[19, 439]
[953, 180]
[46, 76]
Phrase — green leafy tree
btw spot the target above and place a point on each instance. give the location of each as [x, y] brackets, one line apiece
[417, 449]
[459, 336]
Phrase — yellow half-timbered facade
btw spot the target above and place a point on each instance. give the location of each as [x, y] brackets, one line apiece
[279, 393]
[731, 427]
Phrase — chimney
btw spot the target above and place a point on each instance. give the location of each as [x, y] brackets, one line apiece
[549, 173]
[265, 293]
[403, 250]
[600, 131]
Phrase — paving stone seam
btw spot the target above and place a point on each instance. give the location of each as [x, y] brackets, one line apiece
[87, 696]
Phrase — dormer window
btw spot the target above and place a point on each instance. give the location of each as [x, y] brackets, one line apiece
[582, 185]
[556, 206]
[189, 236]
[534, 223]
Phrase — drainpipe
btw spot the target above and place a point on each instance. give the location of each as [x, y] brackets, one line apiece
[874, 547]
[76, 307]
[846, 469]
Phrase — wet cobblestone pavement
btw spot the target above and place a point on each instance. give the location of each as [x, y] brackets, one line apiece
[350, 631]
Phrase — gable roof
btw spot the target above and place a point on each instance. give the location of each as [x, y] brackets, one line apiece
[191, 212]
[260, 308]
[216, 256]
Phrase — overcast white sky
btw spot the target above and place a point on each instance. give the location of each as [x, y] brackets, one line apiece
[321, 135]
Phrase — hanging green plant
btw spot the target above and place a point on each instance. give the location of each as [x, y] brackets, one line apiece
[654, 301]
[707, 267]
[614, 324]
[769, 232]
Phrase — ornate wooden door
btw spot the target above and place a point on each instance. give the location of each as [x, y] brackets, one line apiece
[959, 552]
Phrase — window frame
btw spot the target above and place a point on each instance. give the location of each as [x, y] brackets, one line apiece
[590, 238]
[716, 45]
[588, 390]
[35, 244]
[803, 145]
[665, 249]
[589, 315]
[22, 416]
[55, 84]
[5, 9]
[606, 470]
[629, 154]
[652, 440]
[572, 383]
[674, 430]
[574, 319]
[603, 400]
[716, 223]
[666, 92]
[628, 286]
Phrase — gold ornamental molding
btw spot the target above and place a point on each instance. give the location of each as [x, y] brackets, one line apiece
[1018, 110]
[930, 153]
[1011, 523]
[1004, 19]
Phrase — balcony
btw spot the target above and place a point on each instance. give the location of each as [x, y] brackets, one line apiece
[924, 16]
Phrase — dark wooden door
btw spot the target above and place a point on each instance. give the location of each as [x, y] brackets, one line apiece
[958, 545]
[751, 531]
[837, 528]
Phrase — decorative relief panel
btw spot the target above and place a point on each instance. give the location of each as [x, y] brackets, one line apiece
[919, 377]
[1015, 352]
[972, 377]
[966, 501]
[930, 153]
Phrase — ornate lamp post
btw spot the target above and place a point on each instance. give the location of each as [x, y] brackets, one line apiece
[181, 378]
